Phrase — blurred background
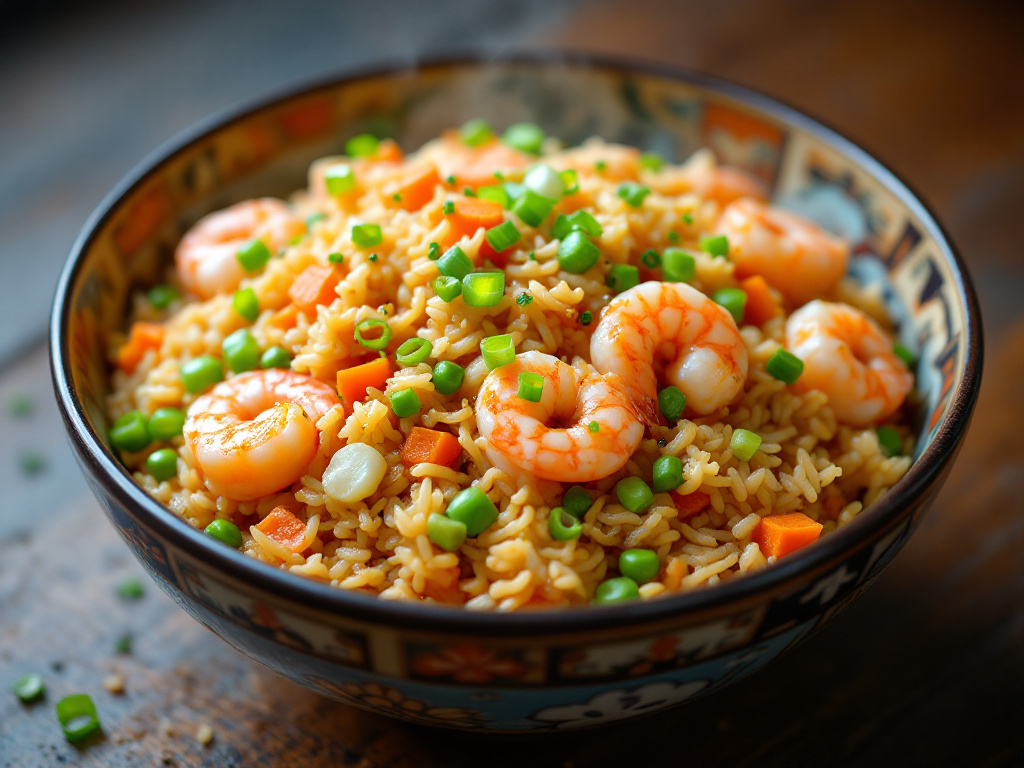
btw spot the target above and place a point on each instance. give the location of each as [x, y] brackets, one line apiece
[926, 668]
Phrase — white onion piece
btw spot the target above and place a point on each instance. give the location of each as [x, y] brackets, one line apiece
[354, 473]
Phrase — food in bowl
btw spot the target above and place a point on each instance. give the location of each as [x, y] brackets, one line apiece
[501, 374]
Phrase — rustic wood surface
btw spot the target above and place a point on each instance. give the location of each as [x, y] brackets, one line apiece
[927, 668]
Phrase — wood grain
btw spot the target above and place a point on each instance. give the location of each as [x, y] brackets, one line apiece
[925, 669]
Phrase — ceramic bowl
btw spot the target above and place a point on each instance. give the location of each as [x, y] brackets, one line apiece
[539, 670]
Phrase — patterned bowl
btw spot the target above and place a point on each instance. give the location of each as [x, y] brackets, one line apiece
[527, 671]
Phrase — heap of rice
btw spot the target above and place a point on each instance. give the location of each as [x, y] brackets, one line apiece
[807, 462]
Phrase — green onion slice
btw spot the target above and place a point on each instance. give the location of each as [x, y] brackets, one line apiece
[473, 133]
[483, 289]
[413, 352]
[77, 716]
[531, 386]
[363, 145]
[498, 351]
[376, 344]
[339, 179]
[563, 526]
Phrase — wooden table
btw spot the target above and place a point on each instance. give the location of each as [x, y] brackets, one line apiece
[926, 669]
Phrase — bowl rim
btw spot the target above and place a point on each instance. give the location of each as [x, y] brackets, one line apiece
[312, 596]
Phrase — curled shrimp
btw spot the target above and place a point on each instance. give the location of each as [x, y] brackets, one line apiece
[254, 434]
[702, 175]
[473, 166]
[603, 429]
[207, 256]
[654, 322]
[849, 358]
[795, 256]
[617, 162]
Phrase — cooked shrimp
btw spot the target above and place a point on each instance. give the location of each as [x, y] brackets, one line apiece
[254, 434]
[703, 175]
[722, 183]
[797, 257]
[655, 321]
[207, 259]
[473, 166]
[618, 162]
[849, 358]
[603, 427]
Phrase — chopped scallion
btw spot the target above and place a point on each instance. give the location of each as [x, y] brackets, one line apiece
[473, 133]
[784, 366]
[483, 289]
[363, 145]
[576, 254]
[253, 256]
[378, 343]
[498, 351]
[563, 526]
[650, 258]
[531, 386]
[734, 300]
[413, 352]
[716, 245]
[245, 303]
[447, 533]
[455, 263]
[634, 494]
[367, 235]
[744, 444]
[503, 236]
[161, 296]
[339, 179]
[622, 277]
[677, 266]
[633, 193]
[889, 440]
[532, 208]
[447, 288]
[651, 161]
[77, 716]
[526, 137]
[496, 194]
[474, 509]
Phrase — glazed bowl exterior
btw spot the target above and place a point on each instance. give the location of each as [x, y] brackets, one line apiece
[535, 670]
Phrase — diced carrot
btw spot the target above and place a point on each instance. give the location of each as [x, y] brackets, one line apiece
[431, 446]
[315, 285]
[780, 535]
[141, 338]
[471, 214]
[353, 382]
[761, 302]
[388, 151]
[415, 190]
[284, 318]
[674, 573]
[284, 528]
[690, 504]
[481, 164]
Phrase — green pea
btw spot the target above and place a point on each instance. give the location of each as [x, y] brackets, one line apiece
[224, 531]
[640, 565]
[621, 589]
[162, 464]
[166, 423]
[276, 357]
